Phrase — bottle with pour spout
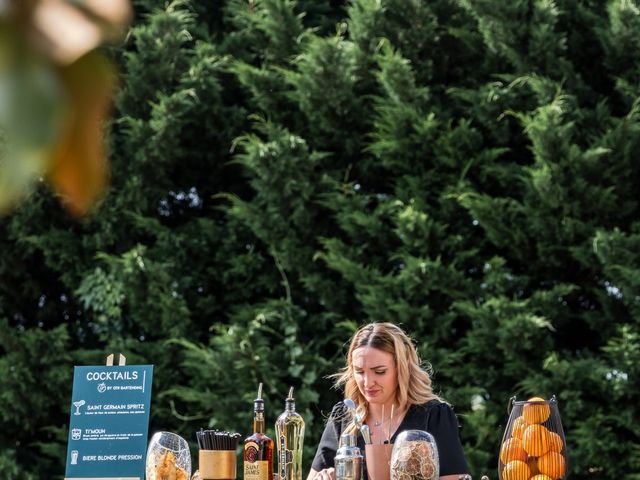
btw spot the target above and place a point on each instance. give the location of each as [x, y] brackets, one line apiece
[289, 441]
[258, 448]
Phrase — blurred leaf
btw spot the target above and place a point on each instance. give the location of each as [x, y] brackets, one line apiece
[64, 31]
[55, 91]
[78, 169]
[31, 111]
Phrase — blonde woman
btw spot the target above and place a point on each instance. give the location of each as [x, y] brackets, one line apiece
[383, 371]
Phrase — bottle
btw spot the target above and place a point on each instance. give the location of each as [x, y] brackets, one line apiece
[258, 448]
[289, 440]
[348, 459]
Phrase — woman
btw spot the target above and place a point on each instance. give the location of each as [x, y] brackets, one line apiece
[383, 371]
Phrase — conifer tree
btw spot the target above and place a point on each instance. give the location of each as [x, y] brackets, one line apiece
[284, 171]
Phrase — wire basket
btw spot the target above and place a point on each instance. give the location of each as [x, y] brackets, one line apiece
[533, 445]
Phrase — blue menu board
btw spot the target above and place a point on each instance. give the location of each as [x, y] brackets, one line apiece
[109, 422]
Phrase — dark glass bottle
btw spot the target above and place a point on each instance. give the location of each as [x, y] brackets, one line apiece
[258, 448]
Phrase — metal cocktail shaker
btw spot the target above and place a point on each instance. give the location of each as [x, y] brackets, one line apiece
[348, 461]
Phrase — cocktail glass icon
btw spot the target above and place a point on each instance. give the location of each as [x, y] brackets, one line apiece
[74, 457]
[78, 404]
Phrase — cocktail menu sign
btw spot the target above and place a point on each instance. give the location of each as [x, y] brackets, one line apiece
[109, 422]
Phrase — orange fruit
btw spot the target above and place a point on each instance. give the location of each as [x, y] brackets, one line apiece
[512, 450]
[536, 440]
[518, 427]
[536, 412]
[555, 442]
[552, 465]
[540, 477]
[516, 470]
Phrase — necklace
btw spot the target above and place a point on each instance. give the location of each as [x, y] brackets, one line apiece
[377, 423]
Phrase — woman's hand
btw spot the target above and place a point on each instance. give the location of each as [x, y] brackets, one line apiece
[324, 474]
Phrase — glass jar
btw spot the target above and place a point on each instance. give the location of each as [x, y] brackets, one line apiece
[533, 442]
[415, 456]
[168, 456]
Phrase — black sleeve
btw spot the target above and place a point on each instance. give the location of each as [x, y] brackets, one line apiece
[443, 425]
[329, 442]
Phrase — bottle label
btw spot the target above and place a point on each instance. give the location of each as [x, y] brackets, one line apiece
[251, 452]
[285, 457]
[254, 468]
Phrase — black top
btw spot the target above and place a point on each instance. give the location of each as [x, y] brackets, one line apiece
[435, 417]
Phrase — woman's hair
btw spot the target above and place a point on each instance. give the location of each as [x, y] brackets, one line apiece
[414, 382]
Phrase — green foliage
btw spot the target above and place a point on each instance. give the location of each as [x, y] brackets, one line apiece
[620, 41]
[284, 171]
[33, 393]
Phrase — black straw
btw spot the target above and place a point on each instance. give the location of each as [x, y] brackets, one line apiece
[217, 440]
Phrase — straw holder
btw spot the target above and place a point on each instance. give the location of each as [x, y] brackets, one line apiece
[217, 464]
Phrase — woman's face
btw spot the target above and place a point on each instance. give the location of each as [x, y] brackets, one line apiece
[375, 374]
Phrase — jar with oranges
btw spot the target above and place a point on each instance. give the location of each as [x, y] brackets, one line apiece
[533, 446]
